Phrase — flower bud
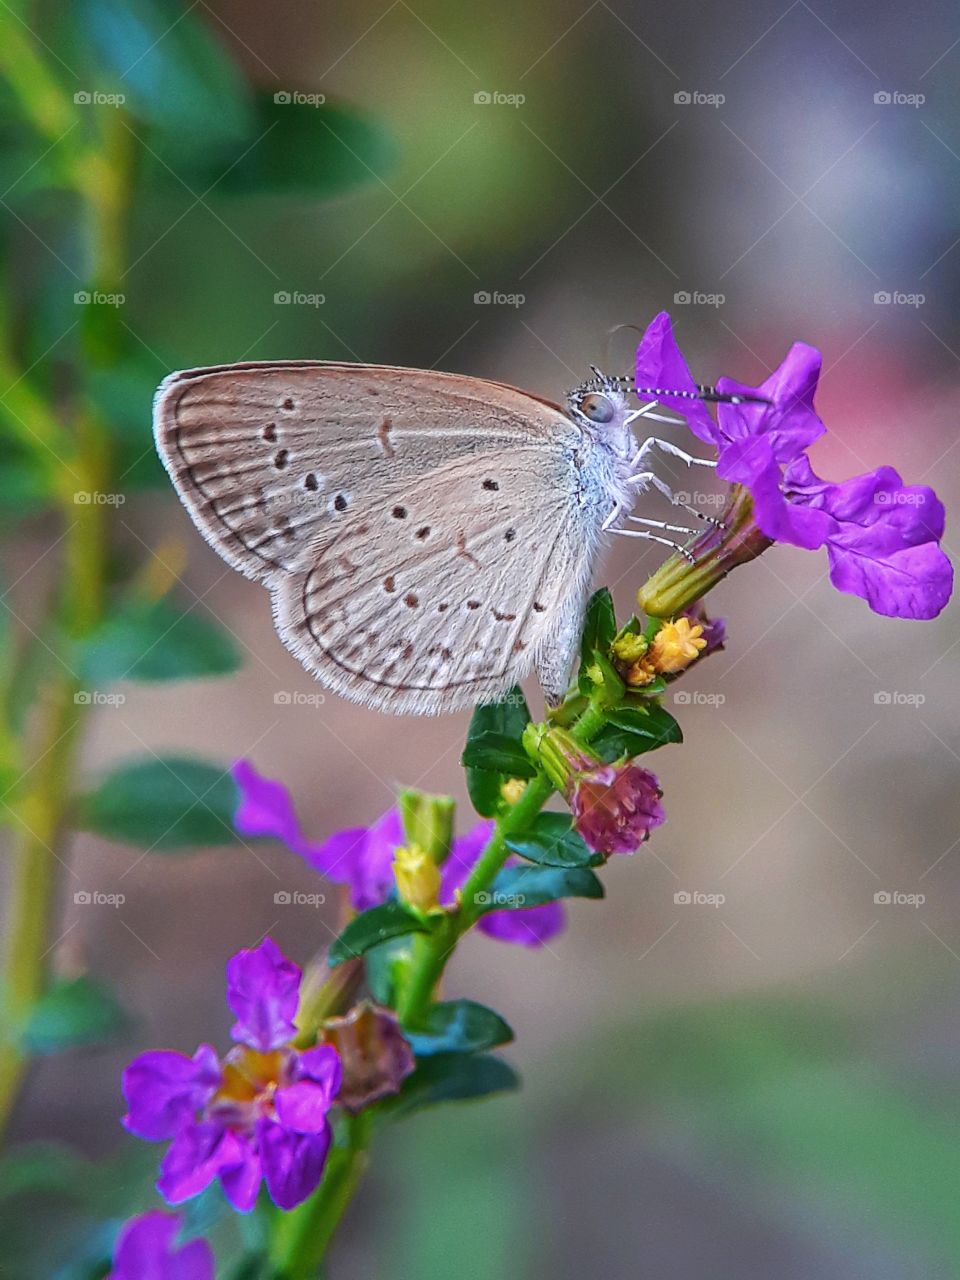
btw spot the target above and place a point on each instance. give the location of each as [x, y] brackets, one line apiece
[374, 1055]
[676, 645]
[417, 877]
[614, 806]
[683, 579]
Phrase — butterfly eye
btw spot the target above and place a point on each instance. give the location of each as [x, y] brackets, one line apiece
[597, 408]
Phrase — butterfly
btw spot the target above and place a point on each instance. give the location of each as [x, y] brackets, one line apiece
[427, 538]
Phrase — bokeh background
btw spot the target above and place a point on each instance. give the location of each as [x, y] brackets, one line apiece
[764, 1087]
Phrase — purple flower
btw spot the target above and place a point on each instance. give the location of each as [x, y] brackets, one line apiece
[145, 1251]
[260, 1114]
[615, 807]
[882, 537]
[362, 857]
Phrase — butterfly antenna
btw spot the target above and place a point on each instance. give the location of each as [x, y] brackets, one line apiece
[703, 392]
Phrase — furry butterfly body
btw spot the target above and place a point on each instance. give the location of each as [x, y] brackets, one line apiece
[427, 539]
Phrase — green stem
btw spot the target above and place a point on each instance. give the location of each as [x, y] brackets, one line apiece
[301, 1238]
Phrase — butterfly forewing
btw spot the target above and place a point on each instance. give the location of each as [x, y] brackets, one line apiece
[412, 526]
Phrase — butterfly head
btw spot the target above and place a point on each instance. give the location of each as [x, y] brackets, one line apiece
[601, 406]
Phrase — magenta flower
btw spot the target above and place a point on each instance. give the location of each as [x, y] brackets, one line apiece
[615, 807]
[882, 537]
[362, 857]
[145, 1251]
[260, 1114]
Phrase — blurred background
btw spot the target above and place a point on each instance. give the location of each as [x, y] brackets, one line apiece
[761, 1087]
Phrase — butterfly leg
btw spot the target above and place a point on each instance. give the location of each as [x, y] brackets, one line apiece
[643, 477]
[654, 537]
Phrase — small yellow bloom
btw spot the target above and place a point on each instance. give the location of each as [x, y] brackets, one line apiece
[676, 645]
[512, 790]
[639, 673]
[417, 877]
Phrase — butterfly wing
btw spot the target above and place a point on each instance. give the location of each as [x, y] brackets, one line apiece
[420, 532]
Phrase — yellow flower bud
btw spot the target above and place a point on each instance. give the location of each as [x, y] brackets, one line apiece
[676, 645]
[417, 877]
[512, 790]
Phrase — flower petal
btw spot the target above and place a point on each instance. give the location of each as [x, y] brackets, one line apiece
[145, 1251]
[323, 1067]
[241, 1178]
[789, 421]
[660, 365]
[293, 1163]
[752, 463]
[165, 1090]
[194, 1159]
[615, 807]
[463, 856]
[527, 926]
[303, 1105]
[263, 988]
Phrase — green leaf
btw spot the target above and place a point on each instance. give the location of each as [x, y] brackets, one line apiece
[450, 1078]
[370, 928]
[163, 804]
[459, 1026]
[599, 629]
[306, 150]
[155, 641]
[496, 753]
[519, 887]
[551, 841]
[509, 717]
[632, 731]
[171, 67]
[71, 1013]
[386, 966]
